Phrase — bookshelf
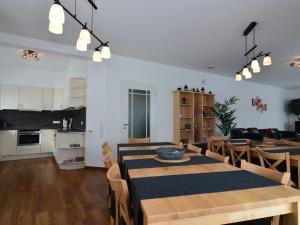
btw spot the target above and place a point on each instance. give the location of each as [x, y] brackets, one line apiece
[194, 119]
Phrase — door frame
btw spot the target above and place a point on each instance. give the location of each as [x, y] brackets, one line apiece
[125, 86]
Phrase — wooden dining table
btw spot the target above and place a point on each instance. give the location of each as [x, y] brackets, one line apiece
[204, 191]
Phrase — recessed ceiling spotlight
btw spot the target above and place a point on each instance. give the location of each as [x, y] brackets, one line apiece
[211, 67]
[296, 63]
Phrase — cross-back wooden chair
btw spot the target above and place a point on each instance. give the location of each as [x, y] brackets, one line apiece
[217, 146]
[122, 199]
[178, 144]
[138, 140]
[275, 161]
[216, 156]
[283, 178]
[194, 148]
[238, 152]
[108, 160]
[106, 149]
[104, 144]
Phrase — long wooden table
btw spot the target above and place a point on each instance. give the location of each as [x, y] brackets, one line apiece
[216, 208]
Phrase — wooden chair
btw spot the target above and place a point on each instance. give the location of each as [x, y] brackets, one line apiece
[106, 149]
[122, 199]
[194, 148]
[238, 152]
[179, 144]
[138, 140]
[216, 156]
[217, 146]
[274, 161]
[104, 144]
[107, 160]
[283, 178]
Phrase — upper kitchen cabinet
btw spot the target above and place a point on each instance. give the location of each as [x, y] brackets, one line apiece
[75, 93]
[48, 99]
[58, 99]
[10, 97]
[31, 98]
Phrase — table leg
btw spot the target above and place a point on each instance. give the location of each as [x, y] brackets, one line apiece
[293, 218]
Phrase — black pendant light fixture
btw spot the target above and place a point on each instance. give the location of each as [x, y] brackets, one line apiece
[252, 65]
[57, 20]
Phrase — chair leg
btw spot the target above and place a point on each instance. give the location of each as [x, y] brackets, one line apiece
[109, 201]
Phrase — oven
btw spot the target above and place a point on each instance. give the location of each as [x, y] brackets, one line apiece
[29, 137]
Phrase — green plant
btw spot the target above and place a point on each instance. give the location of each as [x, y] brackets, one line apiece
[225, 115]
[294, 107]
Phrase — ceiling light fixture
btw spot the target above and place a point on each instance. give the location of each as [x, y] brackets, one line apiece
[97, 56]
[238, 76]
[57, 19]
[27, 53]
[254, 62]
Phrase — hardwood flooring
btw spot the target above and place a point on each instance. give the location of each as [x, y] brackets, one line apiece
[37, 192]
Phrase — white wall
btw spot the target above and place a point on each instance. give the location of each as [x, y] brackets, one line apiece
[104, 84]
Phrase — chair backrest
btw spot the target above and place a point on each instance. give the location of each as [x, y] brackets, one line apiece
[238, 152]
[217, 146]
[138, 140]
[120, 188]
[107, 160]
[106, 149]
[178, 144]
[104, 144]
[194, 148]
[274, 160]
[216, 156]
[283, 178]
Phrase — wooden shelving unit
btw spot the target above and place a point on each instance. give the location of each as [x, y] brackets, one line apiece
[194, 119]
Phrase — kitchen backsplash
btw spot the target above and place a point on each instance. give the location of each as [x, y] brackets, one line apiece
[41, 120]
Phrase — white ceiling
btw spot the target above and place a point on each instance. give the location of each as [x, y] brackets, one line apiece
[191, 33]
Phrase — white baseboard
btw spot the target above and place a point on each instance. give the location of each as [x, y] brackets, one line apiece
[29, 156]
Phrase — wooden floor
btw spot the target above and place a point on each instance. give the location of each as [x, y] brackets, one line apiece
[37, 192]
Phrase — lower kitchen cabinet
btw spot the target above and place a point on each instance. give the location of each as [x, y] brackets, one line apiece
[47, 141]
[9, 142]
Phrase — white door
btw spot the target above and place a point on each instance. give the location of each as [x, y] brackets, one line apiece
[138, 102]
[48, 99]
[10, 97]
[31, 98]
[9, 142]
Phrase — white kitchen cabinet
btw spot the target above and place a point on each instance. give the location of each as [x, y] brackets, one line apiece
[1, 143]
[75, 92]
[58, 99]
[10, 97]
[47, 141]
[31, 98]
[9, 142]
[48, 99]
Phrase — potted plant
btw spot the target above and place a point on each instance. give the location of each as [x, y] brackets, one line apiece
[294, 108]
[225, 115]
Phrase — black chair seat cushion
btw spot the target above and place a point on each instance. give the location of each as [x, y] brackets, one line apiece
[264, 221]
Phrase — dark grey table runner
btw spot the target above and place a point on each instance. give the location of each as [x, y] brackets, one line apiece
[152, 163]
[190, 184]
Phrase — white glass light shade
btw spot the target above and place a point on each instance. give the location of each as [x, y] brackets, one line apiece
[267, 60]
[245, 71]
[85, 36]
[238, 77]
[56, 14]
[106, 52]
[56, 28]
[255, 66]
[81, 46]
[97, 57]
[248, 75]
